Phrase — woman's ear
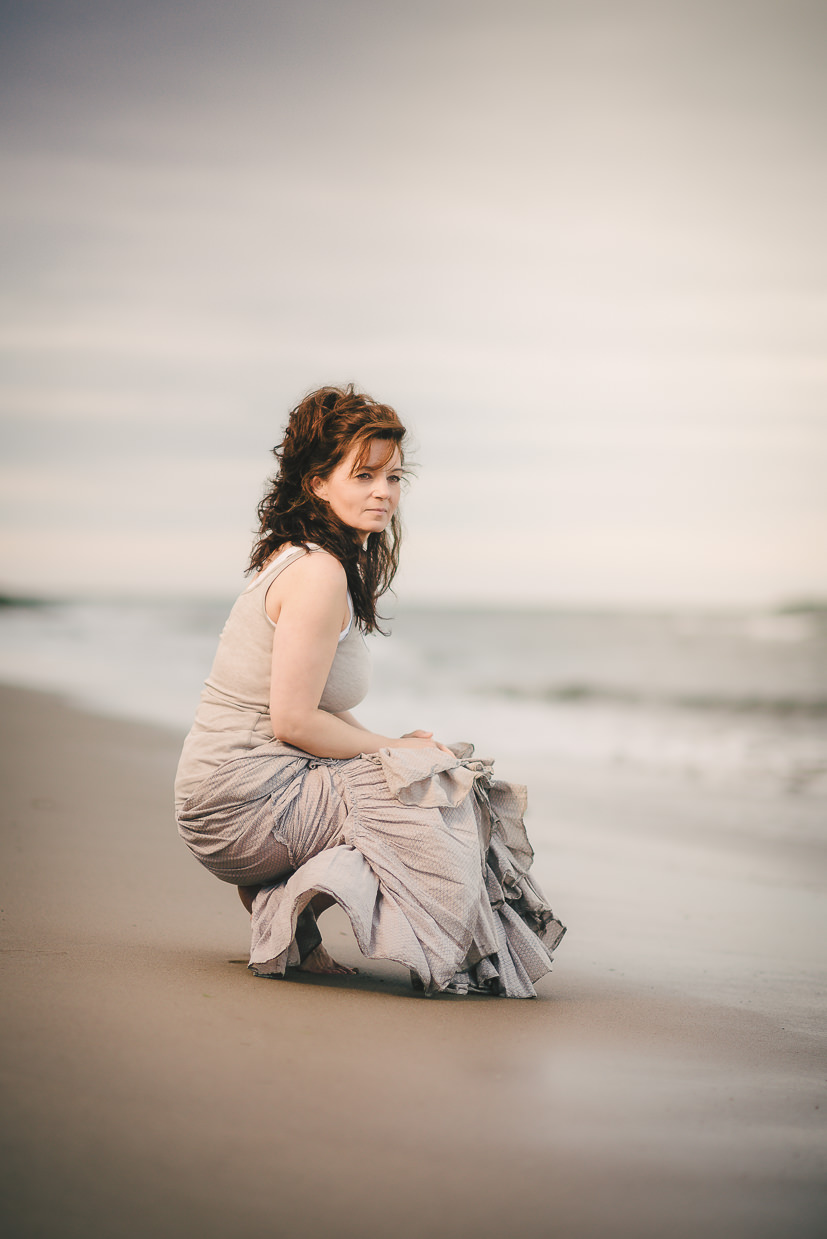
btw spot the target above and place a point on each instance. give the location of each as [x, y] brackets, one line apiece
[319, 488]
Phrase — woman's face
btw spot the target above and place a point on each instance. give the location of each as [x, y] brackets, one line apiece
[364, 498]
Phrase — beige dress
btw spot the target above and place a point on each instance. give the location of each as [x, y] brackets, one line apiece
[425, 851]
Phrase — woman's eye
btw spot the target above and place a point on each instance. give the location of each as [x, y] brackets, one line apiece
[395, 477]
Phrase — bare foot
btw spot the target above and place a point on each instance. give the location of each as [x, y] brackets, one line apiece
[321, 961]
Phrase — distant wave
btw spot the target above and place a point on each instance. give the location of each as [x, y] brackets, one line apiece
[595, 695]
[18, 600]
[803, 606]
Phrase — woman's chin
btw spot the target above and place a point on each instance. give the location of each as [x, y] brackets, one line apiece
[375, 527]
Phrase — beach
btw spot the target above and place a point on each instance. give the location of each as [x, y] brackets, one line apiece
[577, 248]
[668, 1079]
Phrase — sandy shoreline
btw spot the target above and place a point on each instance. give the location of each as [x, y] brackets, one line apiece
[667, 1080]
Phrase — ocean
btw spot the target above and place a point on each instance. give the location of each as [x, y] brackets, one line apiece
[704, 695]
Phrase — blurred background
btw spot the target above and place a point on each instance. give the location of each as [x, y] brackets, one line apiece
[576, 245]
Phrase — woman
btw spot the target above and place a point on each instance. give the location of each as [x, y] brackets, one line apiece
[282, 792]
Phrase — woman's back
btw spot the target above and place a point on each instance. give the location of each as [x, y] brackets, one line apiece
[233, 716]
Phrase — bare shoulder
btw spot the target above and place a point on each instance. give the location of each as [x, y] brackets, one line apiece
[320, 567]
[316, 578]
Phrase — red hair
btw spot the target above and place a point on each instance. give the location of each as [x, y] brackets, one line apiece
[321, 431]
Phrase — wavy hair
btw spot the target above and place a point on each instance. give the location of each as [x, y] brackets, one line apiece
[321, 431]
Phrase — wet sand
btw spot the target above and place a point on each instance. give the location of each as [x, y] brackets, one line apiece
[669, 1080]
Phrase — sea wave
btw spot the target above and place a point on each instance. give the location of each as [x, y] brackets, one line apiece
[706, 700]
[592, 694]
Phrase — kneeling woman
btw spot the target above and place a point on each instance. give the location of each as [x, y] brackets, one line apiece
[282, 792]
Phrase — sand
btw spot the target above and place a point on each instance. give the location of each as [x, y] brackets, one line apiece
[668, 1081]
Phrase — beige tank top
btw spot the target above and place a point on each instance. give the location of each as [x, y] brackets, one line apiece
[233, 716]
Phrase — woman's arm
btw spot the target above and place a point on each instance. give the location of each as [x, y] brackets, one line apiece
[310, 602]
[347, 717]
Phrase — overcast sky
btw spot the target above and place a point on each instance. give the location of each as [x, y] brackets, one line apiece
[579, 246]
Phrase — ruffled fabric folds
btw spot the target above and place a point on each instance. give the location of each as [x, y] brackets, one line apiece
[429, 858]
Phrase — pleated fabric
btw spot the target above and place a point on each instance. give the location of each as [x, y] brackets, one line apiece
[425, 851]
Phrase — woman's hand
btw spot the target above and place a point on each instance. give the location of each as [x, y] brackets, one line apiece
[424, 740]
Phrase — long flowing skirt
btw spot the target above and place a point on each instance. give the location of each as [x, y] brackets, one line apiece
[426, 852]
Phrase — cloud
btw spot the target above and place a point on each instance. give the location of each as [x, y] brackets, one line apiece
[591, 230]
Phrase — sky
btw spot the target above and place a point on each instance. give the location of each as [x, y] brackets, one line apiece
[578, 246]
